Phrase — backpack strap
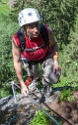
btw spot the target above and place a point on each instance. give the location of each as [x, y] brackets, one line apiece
[22, 39]
[44, 33]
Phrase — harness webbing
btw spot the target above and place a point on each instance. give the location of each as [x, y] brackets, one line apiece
[22, 39]
[35, 48]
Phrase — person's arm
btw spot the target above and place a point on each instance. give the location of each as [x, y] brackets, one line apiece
[17, 65]
[53, 45]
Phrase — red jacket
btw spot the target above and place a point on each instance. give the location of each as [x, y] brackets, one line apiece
[36, 55]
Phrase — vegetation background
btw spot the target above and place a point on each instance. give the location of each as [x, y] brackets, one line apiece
[62, 17]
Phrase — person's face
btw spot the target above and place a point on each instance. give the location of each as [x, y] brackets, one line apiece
[32, 30]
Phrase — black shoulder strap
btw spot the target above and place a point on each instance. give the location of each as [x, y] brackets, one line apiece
[44, 33]
[22, 39]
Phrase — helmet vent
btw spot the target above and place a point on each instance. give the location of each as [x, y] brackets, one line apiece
[29, 14]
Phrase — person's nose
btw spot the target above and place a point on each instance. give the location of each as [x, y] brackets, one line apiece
[36, 29]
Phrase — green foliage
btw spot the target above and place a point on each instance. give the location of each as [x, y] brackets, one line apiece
[19, 5]
[69, 57]
[61, 83]
[66, 95]
[6, 66]
[4, 91]
[4, 8]
[40, 119]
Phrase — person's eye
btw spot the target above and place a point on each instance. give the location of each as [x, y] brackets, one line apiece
[31, 27]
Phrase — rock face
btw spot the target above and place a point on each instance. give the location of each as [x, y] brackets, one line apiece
[19, 113]
[22, 112]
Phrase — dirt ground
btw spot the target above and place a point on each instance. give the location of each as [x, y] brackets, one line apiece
[67, 110]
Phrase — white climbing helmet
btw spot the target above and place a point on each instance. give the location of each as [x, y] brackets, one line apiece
[27, 16]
